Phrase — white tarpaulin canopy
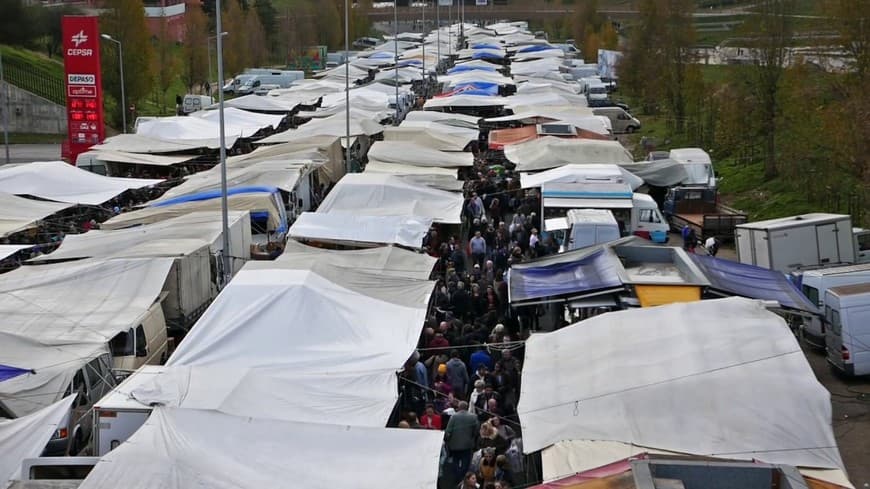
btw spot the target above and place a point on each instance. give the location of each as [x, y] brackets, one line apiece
[591, 173]
[277, 173]
[463, 100]
[336, 334]
[183, 448]
[204, 227]
[248, 123]
[389, 195]
[19, 213]
[26, 437]
[62, 182]
[258, 103]
[430, 176]
[354, 228]
[9, 250]
[432, 135]
[137, 143]
[384, 260]
[137, 158]
[412, 153]
[716, 378]
[360, 125]
[550, 152]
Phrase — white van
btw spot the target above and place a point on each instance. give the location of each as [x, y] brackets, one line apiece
[278, 78]
[815, 284]
[146, 344]
[620, 120]
[192, 103]
[698, 165]
[583, 227]
[847, 335]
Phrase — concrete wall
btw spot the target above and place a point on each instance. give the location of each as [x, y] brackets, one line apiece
[29, 113]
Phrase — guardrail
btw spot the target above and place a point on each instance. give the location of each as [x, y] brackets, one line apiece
[34, 79]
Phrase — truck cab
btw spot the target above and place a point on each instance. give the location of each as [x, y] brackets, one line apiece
[698, 166]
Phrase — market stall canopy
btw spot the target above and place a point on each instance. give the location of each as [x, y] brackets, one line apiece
[433, 135]
[580, 173]
[677, 377]
[388, 195]
[361, 229]
[430, 176]
[183, 448]
[62, 182]
[238, 123]
[26, 437]
[411, 153]
[8, 250]
[136, 158]
[256, 201]
[259, 103]
[204, 227]
[384, 260]
[137, 143]
[462, 100]
[661, 173]
[535, 67]
[754, 282]
[335, 126]
[19, 213]
[550, 152]
[246, 122]
[282, 174]
[590, 270]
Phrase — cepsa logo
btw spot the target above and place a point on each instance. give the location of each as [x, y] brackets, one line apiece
[78, 40]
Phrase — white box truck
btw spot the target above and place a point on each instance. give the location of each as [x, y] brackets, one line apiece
[583, 227]
[118, 415]
[815, 285]
[802, 242]
[847, 335]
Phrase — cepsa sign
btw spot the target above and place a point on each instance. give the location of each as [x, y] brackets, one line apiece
[84, 91]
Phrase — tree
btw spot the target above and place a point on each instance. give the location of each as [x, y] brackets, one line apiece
[641, 62]
[196, 48]
[165, 65]
[124, 20]
[677, 39]
[257, 49]
[770, 33]
[852, 23]
[19, 24]
[269, 20]
[235, 45]
[52, 27]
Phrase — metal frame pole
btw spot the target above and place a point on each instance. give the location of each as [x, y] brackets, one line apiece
[228, 273]
[396, 60]
[123, 96]
[425, 73]
[438, 32]
[347, 83]
[5, 110]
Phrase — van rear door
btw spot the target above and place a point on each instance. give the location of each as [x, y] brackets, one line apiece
[834, 339]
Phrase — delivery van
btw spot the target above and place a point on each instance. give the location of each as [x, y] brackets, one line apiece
[815, 285]
[192, 103]
[847, 329]
[582, 228]
[620, 120]
[146, 344]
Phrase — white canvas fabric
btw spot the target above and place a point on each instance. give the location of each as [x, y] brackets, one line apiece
[462, 100]
[723, 378]
[268, 173]
[204, 124]
[136, 158]
[412, 153]
[549, 152]
[259, 103]
[8, 250]
[62, 182]
[431, 135]
[384, 260]
[19, 213]
[26, 437]
[181, 449]
[388, 195]
[202, 227]
[580, 173]
[137, 143]
[360, 125]
[247, 122]
[535, 67]
[355, 228]
[430, 176]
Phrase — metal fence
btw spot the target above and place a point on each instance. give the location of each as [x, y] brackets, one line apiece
[34, 79]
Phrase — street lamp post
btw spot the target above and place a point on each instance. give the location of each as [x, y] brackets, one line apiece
[425, 73]
[121, 64]
[210, 39]
[228, 273]
[396, 55]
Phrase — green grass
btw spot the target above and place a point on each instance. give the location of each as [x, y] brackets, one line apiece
[743, 187]
[32, 58]
[34, 72]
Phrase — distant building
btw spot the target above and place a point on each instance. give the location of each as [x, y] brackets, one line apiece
[168, 12]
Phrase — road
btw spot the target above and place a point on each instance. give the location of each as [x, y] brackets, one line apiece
[25, 153]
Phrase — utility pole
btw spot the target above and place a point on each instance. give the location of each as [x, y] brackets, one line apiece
[438, 32]
[425, 73]
[228, 272]
[347, 83]
[396, 60]
[5, 110]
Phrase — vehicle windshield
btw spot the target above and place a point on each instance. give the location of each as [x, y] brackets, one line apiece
[122, 344]
[699, 173]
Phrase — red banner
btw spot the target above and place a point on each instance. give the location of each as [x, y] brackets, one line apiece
[84, 90]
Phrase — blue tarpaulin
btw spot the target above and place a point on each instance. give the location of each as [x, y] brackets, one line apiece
[478, 88]
[464, 68]
[483, 45]
[535, 48]
[215, 194]
[590, 272]
[7, 372]
[753, 282]
[486, 55]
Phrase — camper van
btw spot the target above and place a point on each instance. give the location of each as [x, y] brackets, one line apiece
[582, 228]
[847, 330]
[815, 285]
[620, 120]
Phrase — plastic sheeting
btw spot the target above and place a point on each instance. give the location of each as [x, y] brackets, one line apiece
[354, 228]
[660, 173]
[384, 260]
[594, 271]
[411, 153]
[260, 201]
[19, 213]
[579, 174]
[463, 100]
[115, 156]
[550, 152]
[717, 377]
[204, 125]
[26, 437]
[388, 195]
[62, 182]
[277, 173]
[432, 135]
[180, 449]
[330, 126]
[430, 176]
[137, 143]
[754, 282]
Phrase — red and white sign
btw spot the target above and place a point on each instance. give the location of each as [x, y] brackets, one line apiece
[84, 100]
